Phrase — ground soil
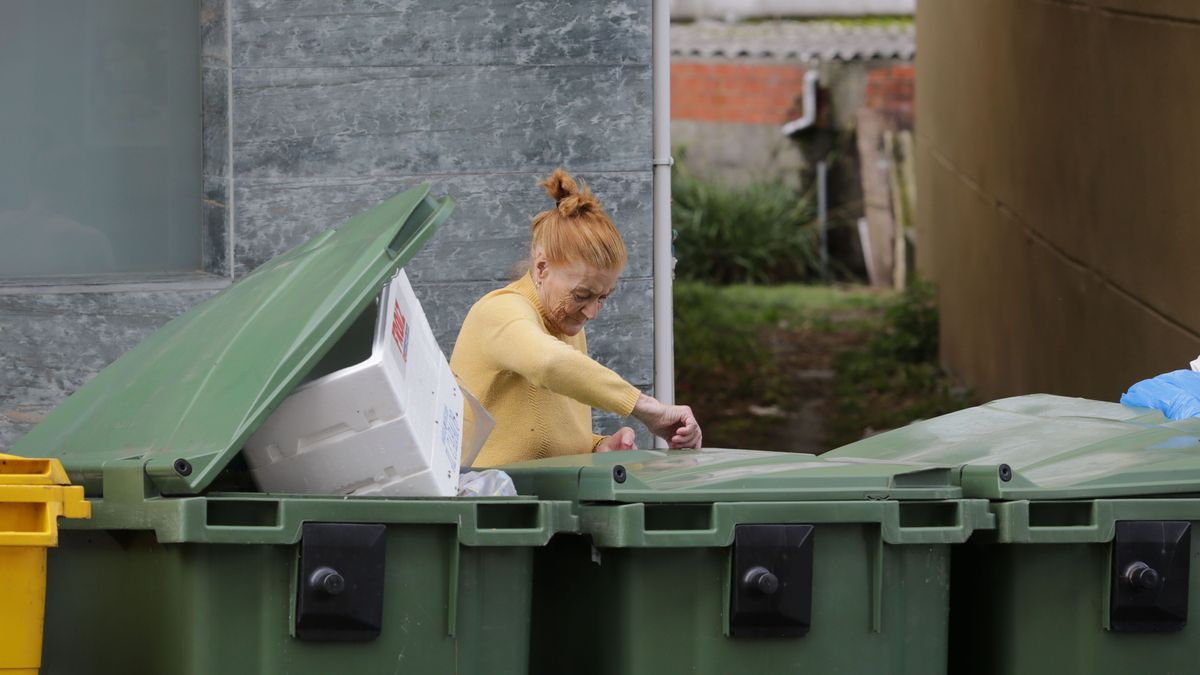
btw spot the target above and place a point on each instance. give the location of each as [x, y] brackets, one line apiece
[794, 412]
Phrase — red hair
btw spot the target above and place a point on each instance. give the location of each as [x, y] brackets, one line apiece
[577, 228]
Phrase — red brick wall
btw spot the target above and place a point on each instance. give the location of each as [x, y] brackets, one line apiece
[736, 92]
[890, 91]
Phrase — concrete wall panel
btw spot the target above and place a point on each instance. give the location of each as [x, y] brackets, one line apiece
[1020, 318]
[339, 122]
[54, 342]
[1148, 162]
[486, 235]
[1056, 161]
[286, 33]
[315, 110]
[1185, 10]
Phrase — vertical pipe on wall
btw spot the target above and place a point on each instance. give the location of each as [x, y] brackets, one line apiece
[664, 349]
[230, 218]
[809, 102]
[823, 217]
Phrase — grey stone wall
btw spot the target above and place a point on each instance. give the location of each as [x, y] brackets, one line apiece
[315, 110]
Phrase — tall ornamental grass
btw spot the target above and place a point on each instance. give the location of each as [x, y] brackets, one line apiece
[763, 233]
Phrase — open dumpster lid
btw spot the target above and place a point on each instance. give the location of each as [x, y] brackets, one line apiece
[719, 475]
[185, 400]
[1050, 447]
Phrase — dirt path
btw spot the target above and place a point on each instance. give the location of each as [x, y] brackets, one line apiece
[793, 408]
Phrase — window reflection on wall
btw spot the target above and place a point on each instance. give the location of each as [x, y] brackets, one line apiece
[99, 137]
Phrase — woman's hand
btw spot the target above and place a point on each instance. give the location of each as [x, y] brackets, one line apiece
[675, 423]
[623, 439]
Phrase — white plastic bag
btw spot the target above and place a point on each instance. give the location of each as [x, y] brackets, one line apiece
[486, 483]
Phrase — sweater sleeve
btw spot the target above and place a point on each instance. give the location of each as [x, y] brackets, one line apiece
[514, 341]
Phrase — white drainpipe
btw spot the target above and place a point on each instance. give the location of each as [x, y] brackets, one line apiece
[809, 102]
[804, 122]
[664, 334]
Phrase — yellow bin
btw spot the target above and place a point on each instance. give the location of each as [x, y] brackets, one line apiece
[33, 494]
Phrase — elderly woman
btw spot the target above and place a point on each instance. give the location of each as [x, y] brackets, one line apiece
[522, 348]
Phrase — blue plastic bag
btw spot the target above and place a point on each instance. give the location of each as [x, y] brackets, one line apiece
[1176, 394]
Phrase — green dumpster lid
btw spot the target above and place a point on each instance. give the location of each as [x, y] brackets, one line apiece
[713, 475]
[1050, 447]
[185, 400]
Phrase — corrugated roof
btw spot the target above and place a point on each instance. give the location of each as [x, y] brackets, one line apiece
[794, 40]
[775, 9]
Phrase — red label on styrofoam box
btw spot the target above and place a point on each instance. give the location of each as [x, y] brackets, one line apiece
[400, 331]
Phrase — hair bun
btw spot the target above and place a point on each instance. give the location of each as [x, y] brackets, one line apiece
[576, 229]
[569, 199]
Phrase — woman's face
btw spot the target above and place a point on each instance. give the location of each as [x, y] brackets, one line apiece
[572, 293]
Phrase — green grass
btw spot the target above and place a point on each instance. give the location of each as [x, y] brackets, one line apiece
[718, 354]
[884, 20]
[727, 343]
[896, 377]
[799, 305]
[766, 360]
[877, 20]
[741, 348]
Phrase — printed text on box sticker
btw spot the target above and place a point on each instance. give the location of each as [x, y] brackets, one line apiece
[400, 330]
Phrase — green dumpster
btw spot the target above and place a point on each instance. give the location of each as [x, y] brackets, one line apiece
[739, 561]
[1089, 567]
[186, 568]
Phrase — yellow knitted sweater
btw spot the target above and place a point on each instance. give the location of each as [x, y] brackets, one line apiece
[539, 385]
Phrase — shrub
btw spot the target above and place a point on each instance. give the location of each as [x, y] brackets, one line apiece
[762, 233]
[718, 352]
[896, 378]
[740, 348]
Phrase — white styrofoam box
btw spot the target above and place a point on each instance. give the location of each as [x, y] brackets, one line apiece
[389, 426]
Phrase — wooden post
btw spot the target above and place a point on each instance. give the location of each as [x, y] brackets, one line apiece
[877, 202]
